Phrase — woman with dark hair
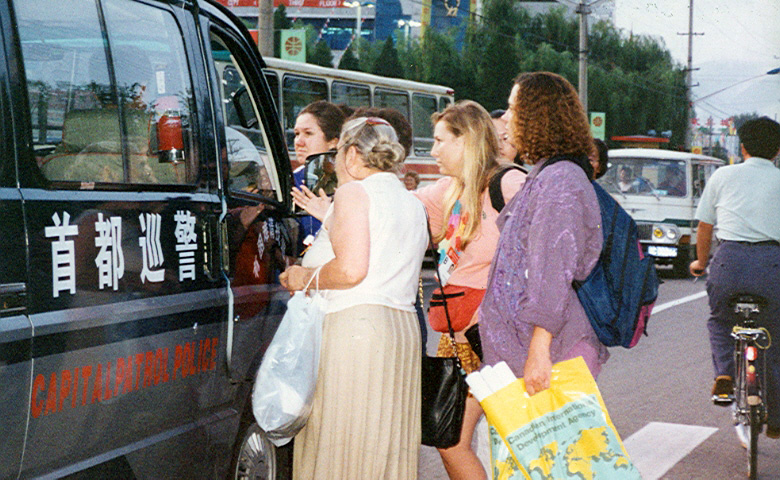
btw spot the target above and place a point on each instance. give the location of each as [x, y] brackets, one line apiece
[550, 236]
[317, 130]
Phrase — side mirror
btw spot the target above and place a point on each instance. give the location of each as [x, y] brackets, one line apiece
[320, 172]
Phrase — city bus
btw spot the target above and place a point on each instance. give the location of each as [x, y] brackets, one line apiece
[294, 85]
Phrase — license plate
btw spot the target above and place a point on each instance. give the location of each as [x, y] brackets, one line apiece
[662, 251]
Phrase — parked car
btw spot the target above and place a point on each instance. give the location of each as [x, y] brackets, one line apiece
[661, 189]
[144, 218]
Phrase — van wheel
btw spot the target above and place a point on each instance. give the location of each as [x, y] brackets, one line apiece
[256, 458]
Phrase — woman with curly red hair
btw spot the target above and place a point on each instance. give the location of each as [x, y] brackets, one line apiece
[550, 235]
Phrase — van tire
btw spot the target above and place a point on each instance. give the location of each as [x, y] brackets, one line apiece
[256, 458]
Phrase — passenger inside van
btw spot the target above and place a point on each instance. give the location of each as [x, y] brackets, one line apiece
[674, 181]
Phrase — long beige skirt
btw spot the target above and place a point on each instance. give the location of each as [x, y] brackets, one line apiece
[365, 420]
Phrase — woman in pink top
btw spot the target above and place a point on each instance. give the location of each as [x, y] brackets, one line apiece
[463, 225]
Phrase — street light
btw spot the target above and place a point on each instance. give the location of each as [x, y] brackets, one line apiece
[358, 20]
[407, 24]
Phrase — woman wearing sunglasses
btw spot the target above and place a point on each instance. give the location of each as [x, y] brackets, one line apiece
[365, 420]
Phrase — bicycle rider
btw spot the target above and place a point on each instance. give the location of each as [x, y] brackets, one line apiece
[742, 201]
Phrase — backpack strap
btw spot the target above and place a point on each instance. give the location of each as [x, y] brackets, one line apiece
[582, 162]
[494, 186]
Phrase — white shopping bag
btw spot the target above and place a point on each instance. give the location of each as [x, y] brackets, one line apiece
[284, 388]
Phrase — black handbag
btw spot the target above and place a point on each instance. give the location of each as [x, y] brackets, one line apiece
[444, 391]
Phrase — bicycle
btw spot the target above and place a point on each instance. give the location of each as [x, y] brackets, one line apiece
[750, 366]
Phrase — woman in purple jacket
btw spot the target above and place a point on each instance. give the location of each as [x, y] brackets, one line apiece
[550, 235]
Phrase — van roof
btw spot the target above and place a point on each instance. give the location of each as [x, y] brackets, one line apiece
[654, 153]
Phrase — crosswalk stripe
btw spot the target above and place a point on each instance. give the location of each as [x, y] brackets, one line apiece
[658, 446]
[679, 301]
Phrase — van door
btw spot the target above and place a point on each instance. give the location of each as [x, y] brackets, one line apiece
[126, 295]
[15, 328]
[256, 185]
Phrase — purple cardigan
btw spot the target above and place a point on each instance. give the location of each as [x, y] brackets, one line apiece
[550, 235]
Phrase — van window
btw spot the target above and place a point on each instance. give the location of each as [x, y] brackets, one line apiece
[297, 92]
[646, 176]
[444, 102]
[423, 106]
[251, 165]
[109, 103]
[350, 94]
[272, 79]
[701, 174]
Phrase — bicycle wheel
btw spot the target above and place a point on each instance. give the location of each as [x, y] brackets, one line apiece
[755, 429]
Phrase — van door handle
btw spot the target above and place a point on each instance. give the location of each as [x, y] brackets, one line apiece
[12, 299]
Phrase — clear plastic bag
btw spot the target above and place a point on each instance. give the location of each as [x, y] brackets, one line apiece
[284, 387]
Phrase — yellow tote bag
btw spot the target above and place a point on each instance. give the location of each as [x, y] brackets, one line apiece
[559, 433]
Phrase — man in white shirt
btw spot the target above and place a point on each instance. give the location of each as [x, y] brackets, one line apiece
[743, 201]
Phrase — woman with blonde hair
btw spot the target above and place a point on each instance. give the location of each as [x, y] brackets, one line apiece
[462, 221]
[365, 420]
[550, 236]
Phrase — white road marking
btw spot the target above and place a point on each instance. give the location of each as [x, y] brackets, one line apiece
[658, 446]
[679, 301]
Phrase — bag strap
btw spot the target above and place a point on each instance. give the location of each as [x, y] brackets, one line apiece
[444, 298]
[317, 276]
[494, 186]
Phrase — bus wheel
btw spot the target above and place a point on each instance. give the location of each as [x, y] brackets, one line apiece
[255, 455]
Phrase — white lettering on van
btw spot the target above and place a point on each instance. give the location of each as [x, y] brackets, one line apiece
[110, 259]
[151, 250]
[186, 243]
[63, 264]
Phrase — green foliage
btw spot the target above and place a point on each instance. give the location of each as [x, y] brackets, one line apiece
[349, 61]
[387, 63]
[320, 55]
[631, 78]
[740, 119]
[281, 22]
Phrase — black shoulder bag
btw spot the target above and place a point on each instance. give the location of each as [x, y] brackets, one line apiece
[444, 391]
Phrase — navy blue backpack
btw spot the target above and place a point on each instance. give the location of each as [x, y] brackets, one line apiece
[619, 294]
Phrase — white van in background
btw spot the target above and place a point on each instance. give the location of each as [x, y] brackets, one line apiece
[661, 189]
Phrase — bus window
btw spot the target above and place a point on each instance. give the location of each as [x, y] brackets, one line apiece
[350, 94]
[392, 99]
[273, 83]
[297, 92]
[423, 106]
[444, 102]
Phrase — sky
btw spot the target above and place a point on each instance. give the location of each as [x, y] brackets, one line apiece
[740, 41]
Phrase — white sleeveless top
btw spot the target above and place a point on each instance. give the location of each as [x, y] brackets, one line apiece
[398, 239]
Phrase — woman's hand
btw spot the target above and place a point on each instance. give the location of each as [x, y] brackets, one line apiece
[315, 205]
[295, 278]
[538, 367]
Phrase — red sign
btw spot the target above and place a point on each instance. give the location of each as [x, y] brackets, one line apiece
[286, 3]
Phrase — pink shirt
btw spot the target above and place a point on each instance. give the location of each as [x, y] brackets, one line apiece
[474, 262]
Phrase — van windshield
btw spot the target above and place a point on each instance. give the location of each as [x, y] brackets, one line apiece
[645, 176]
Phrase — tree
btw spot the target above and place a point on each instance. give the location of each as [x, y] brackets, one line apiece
[281, 22]
[349, 61]
[387, 63]
[320, 55]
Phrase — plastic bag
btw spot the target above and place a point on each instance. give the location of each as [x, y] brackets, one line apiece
[284, 387]
[562, 432]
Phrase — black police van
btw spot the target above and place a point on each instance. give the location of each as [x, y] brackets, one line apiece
[144, 219]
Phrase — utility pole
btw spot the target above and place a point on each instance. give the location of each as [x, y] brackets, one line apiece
[265, 27]
[583, 9]
[689, 79]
